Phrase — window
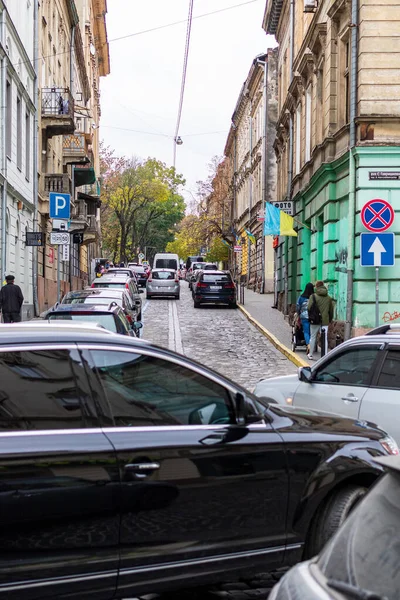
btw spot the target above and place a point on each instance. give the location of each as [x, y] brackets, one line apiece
[163, 275]
[9, 119]
[389, 377]
[19, 134]
[146, 390]
[298, 138]
[209, 278]
[105, 320]
[27, 146]
[354, 367]
[308, 124]
[44, 389]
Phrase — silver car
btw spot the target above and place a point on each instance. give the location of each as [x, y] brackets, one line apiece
[163, 282]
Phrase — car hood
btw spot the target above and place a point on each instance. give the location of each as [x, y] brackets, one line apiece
[277, 388]
[290, 419]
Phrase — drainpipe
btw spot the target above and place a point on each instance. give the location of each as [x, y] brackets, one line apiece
[234, 196]
[72, 92]
[250, 190]
[35, 158]
[264, 165]
[290, 164]
[3, 151]
[352, 170]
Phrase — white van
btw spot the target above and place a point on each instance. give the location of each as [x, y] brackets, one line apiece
[166, 260]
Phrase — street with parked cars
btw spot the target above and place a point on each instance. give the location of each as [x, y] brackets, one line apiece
[155, 442]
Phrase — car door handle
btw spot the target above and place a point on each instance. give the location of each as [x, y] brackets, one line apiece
[142, 467]
[350, 398]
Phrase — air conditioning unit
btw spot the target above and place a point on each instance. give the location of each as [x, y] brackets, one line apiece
[310, 5]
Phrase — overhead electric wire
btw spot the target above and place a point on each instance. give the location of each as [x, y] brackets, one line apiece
[184, 71]
[136, 33]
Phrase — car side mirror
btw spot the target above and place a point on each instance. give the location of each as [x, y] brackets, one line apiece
[304, 374]
[137, 325]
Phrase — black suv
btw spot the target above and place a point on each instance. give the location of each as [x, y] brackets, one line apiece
[128, 469]
[111, 317]
[216, 287]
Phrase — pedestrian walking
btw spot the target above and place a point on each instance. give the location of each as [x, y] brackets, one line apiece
[302, 311]
[320, 314]
[11, 300]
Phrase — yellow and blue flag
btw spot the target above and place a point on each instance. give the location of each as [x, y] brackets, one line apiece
[251, 236]
[277, 222]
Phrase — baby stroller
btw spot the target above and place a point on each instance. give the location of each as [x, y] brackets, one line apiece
[297, 334]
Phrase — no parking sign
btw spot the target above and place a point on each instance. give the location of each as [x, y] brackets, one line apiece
[377, 215]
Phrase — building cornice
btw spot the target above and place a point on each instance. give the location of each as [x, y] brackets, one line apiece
[100, 36]
[272, 15]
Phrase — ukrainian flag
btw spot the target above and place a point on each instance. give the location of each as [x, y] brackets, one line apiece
[250, 236]
[277, 222]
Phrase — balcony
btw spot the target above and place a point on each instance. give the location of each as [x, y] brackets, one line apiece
[57, 111]
[57, 182]
[79, 212]
[77, 148]
[93, 226]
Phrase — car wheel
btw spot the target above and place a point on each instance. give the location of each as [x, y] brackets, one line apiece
[233, 305]
[148, 296]
[177, 297]
[331, 515]
[196, 304]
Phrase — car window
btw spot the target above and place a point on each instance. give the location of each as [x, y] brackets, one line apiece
[166, 263]
[123, 325]
[208, 278]
[163, 275]
[44, 389]
[147, 390]
[107, 284]
[106, 320]
[353, 367]
[389, 377]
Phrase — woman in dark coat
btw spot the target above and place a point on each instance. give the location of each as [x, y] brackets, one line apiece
[302, 311]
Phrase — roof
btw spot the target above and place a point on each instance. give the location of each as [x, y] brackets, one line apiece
[272, 15]
[94, 292]
[83, 308]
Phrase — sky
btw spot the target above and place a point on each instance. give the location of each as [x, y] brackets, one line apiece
[140, 97]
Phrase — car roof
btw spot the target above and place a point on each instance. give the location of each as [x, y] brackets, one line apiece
[89, 291]
[112, 277]
[48, 328]
[87, 308]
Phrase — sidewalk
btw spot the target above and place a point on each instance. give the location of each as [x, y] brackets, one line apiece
[271, 322]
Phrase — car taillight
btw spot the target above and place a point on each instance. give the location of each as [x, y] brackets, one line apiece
[230, 286]
[92, 285]
[201, 285]
[127, 286]
[130, 320]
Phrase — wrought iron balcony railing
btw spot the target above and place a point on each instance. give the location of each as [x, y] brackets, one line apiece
[57, 102]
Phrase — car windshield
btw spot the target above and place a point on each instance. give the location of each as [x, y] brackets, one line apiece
[107, 321]
[197, 266]
[209, 278]
[111, 284]
[163, 275]
[166, 263]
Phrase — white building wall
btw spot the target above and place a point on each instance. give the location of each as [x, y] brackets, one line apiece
[17, 41]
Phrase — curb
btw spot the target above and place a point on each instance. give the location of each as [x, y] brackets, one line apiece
[292, 356]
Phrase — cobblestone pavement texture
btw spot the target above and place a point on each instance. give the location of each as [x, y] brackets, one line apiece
[216, 336]
[224, 340]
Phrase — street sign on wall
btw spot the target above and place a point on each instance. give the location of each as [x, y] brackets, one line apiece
[377, 215]
[377, 250]
[59, 205]
[59, 237]
[65, 252]
[34, 238]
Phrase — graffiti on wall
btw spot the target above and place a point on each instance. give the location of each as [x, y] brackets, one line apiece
[341, 259]
[387, 316]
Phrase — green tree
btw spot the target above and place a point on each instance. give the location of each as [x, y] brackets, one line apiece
[218, 251]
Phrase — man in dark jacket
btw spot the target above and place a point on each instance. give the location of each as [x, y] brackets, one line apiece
[325, 306]
[11, 300]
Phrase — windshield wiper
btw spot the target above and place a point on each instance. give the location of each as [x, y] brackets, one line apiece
[353, 592]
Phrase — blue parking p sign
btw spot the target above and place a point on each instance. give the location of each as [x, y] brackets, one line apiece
[59, 205]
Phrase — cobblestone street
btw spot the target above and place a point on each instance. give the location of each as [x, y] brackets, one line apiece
[223, 340]
[215, 336]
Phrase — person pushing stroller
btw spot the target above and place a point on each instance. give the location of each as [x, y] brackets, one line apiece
[302, 311]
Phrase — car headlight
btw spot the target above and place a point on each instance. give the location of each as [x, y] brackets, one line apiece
[390, 445]
[289, 401]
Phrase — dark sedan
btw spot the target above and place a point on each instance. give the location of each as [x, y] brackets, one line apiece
[215, 287]
[128, 469]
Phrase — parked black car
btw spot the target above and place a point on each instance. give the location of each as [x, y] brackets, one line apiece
[127, 468]
[111, 317]
[216, 287]
[141, 273]
[362, 560]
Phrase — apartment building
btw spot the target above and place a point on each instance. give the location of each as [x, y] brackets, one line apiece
[17, 86]
[73, 55]
[337, 146]
[249, 149]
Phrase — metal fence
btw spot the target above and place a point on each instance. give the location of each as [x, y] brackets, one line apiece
[57, 102]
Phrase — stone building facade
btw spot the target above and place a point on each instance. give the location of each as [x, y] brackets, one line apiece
[249, 151]
[338, 128]
[73, 53]
[16, 144]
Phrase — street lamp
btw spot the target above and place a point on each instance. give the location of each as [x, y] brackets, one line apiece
[177, 142]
